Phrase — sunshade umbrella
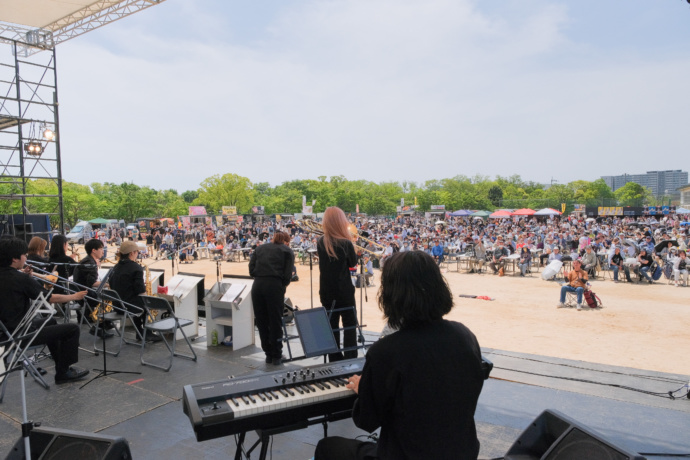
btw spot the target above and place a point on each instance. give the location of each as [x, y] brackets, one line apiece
[664, 244]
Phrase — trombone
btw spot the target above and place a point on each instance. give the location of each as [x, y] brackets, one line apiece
[315, 227]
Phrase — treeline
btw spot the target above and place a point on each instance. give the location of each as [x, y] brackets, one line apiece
[128, 201]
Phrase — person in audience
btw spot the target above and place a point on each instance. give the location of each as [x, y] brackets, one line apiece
[617, 264]
[498, 259]
[576, 282]
[680, 269]
[525, 260]
[589, 261]
[644, 259]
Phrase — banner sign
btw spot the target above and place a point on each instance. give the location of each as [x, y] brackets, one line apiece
[197, 210]
[229, 210]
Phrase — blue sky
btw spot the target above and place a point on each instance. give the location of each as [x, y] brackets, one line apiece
[378, 90]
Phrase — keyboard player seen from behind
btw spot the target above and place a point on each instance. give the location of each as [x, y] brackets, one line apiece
[421, 384]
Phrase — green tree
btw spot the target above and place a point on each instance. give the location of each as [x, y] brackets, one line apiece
[226, 190]
[495, 195]
[632, 194]
[189, 196]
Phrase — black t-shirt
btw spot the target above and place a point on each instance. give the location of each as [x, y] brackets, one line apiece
[17, 290]
[421, 386]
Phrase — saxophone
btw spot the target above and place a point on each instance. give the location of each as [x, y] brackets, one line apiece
[149, 291]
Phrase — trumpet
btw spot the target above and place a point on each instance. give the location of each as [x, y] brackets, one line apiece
[315, 227]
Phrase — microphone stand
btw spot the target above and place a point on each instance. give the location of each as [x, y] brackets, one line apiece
[362, 294]
[311, 276]
[105, 372]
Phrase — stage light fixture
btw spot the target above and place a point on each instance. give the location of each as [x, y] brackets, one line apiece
[48, 134]
[33, 148]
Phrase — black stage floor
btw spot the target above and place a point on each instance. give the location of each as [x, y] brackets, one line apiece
[147, 410]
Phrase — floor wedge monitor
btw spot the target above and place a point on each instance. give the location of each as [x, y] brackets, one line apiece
[553, 436]
[57, 444]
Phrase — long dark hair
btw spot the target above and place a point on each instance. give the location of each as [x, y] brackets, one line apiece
[413, 291]
[57, 247]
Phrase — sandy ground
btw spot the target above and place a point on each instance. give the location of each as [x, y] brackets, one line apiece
[641, 326]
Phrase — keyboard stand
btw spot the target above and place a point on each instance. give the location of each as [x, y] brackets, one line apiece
[266, 434]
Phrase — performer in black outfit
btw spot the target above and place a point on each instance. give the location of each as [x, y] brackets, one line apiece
[271, 267]
[17, 290]
[336, 256]
[421, 384]
[127, 279]
[86, 274]
[63, 262]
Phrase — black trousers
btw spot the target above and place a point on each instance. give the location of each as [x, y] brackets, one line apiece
[349, 317]
[268, 298]
[62, 341]
[338, 448]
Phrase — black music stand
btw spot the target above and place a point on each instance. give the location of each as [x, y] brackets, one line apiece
[105, 372]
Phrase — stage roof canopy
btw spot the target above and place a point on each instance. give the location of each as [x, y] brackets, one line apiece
[45, 23]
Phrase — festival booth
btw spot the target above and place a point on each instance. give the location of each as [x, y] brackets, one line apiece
[547, 212]
[524, 212]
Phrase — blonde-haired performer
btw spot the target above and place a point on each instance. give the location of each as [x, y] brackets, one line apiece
[336, 256]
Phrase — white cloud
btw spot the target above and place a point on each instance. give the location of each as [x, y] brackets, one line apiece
[378, 89]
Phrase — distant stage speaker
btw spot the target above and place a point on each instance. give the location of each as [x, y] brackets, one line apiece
[56, 444]
[553, 436]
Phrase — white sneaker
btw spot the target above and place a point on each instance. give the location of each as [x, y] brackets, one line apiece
[579, 306]
[561, 305]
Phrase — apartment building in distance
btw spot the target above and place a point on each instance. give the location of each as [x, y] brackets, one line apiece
[661, 183]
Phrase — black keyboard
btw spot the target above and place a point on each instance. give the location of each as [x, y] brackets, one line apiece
[270, 400]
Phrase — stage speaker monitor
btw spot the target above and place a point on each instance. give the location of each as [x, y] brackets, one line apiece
[57, 444]
[553, 436]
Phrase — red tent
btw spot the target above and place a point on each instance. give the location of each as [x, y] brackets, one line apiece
[500, 214]
[524, 212]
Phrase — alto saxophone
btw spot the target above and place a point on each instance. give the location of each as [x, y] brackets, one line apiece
[149, 291]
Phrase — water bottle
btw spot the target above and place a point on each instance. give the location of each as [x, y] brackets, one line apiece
[214, 338]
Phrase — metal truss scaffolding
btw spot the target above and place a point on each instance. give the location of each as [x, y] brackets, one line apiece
[30, 171]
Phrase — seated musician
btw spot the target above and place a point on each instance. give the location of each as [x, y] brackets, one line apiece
[420, 391]
[127, 279]
[17, 290]
[576, 282]
[86, 275]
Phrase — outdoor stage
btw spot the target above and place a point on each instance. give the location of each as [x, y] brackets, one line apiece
[147, 409]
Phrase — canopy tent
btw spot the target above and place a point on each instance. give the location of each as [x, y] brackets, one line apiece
[480, 214]
[682, 211]
[547, 212]
[46, 23]
[99, 221]
[461, 213]
[524, 212]
[502, 214]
